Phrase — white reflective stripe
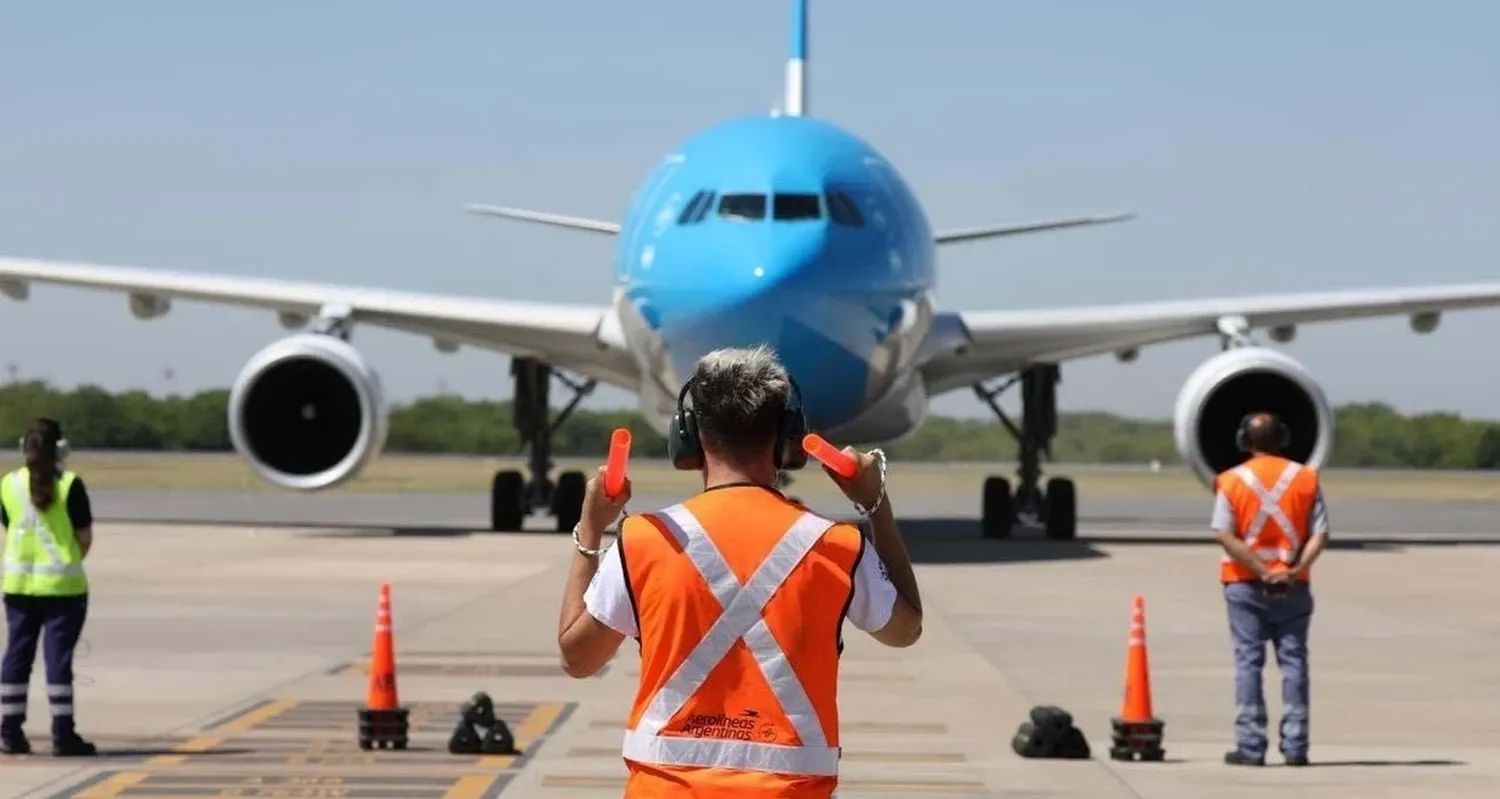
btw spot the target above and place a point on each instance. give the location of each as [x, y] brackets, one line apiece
[12, 708]
[59, 569]
[819, 761]
[741, 620]
[32, 522]
[1270, 506]
[61, 708]
[60, 691]
[12, 689]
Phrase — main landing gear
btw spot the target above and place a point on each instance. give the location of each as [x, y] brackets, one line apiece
[514, 496]
[1056, 509]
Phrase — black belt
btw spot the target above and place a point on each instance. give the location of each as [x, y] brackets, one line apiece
[1274, 590]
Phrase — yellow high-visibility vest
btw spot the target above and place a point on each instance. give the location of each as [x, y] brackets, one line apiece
[42, 556]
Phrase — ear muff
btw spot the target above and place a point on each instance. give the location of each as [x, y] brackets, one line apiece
[1242, 435]
[790, 455]
[63, 450]
[685, 446]
[51, 430]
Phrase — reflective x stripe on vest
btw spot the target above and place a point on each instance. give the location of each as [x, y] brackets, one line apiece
[740, 621]
[44, 558]
[1270, 509]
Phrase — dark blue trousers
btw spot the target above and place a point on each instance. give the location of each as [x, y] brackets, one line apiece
[57, 622]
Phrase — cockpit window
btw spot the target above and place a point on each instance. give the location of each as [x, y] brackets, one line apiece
[786, 207]
[696, 208]
[743, 206]
[843, 211]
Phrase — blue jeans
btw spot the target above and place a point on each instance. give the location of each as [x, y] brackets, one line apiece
[1254, 620]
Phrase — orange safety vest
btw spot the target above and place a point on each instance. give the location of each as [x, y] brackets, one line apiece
[1271, 521]
[740, 597]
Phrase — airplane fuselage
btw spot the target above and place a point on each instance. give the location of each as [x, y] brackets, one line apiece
[790, 231]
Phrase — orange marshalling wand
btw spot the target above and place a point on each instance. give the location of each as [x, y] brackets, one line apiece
[830, 456]
[619, 459]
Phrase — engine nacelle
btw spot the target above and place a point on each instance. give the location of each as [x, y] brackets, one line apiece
[1219, 393]
[308, 412]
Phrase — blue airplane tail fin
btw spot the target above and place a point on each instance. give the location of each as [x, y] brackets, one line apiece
[796, 65]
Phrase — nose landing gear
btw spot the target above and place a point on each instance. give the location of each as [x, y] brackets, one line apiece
[514, 496]
[1055, 510]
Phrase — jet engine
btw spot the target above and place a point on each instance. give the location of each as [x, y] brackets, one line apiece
[1239, 381]
[308, 412]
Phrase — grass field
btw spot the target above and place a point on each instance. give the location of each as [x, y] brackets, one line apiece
[432, 474]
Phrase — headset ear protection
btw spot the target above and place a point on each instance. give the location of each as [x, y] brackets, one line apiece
[51, 431]
[685, 446]
[1242, 435]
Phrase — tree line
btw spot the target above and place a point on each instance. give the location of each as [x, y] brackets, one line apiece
[1368, 434]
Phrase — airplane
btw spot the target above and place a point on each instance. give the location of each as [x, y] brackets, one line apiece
[777, 228]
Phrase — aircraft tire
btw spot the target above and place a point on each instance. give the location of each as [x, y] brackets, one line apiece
[507, 501]
[567, 500]
[1062, 509]
[997, 512]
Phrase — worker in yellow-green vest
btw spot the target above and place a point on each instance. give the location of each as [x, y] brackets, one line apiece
[47, 519]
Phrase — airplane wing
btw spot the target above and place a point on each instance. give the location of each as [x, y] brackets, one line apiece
[969, 346]
[961, 235]
[575, 337]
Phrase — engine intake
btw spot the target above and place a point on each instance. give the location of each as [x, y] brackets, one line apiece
[1226, 387]
[308, 413]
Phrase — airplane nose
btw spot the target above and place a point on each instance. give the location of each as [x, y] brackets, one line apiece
[744, 273]
[777, 261]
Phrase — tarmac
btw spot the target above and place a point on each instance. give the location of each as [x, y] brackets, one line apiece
[227, 658]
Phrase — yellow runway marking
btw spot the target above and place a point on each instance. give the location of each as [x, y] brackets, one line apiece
[114, 786]
[500, 762]
[202, 743]
[471, 787]
[539, 720]
[259, 715]
[535, 725]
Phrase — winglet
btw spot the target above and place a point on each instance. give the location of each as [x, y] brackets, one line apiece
[996, 231]
[542, 218]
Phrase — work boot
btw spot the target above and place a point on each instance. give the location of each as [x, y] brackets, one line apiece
[1235, 757]
[14, 742]
[71, 745]
[1296, 760]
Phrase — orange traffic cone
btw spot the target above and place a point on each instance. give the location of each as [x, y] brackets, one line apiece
[382, 722]
[381, 694]
[1137, 731]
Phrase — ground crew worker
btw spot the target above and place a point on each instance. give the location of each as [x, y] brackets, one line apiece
[48, 532]
[1271, 520]
[736, 597]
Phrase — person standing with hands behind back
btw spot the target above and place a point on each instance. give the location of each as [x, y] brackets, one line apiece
[1270, 518]
[737, 597]
[48, 532]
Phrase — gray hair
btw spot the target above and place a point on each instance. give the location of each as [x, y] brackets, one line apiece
[739, 396]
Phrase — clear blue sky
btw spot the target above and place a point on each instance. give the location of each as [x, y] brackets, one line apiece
[1267, 146]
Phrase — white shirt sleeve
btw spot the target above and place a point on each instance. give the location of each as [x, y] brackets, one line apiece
[1222, 520]
[874, 596]
[608, 596]
[1318, 518]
